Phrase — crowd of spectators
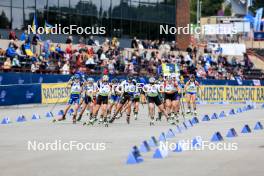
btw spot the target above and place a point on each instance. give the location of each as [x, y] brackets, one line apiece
[144, 57]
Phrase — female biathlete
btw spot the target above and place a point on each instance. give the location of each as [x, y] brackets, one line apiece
[89, 91]
[75, 96]
[136, 99]
[152, 92]
[114, 98]
[191, 89]
[104, 90]
[126, 99]
[171, 96]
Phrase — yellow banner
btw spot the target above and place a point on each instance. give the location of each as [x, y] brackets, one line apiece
[59, 93]
[237, 94]
[55, 93]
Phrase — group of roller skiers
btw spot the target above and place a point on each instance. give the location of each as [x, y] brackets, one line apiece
[112, 99]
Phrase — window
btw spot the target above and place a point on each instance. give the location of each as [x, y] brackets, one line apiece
[17, 15]
[17, 3]
[41, 4]
[5, 3]
[29, 4]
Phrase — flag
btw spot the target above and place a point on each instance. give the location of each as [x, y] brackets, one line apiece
[48, 27]
[239, 80]
[34, 25]
[257, 21]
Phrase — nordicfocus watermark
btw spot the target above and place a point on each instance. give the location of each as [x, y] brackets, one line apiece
[138, 87]
[191, 29]
[189, 145]
[58, 145]
[68, 30]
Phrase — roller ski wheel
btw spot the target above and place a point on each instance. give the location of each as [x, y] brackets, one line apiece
[101, 121]
[105, 124]
[57, 120]
[90, 123]
[177, 120]
[120, 115]
[171, 123]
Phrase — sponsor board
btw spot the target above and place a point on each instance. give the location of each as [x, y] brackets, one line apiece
[55, 93]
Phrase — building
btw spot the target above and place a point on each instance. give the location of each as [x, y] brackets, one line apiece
[122, 18]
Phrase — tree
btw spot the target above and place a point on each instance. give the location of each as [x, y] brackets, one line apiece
[4, 22]
[256, 5]
[228, 11]
[209, 8]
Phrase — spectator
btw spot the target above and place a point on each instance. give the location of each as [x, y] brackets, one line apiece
[16, 62]
[35, 41]
[12, 35]
[7, 64]
[219, 50]
[69, 40]
[46, 48]
[11, 50]
[189, 50]
[65, 70]
[23, 36]
[27, 46]
[200, 72]
[134, 43]
[34, 67]
[91, 41]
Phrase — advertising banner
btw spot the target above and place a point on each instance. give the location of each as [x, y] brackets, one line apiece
[55, 93]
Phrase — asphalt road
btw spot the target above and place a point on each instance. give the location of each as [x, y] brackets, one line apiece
[119, 138]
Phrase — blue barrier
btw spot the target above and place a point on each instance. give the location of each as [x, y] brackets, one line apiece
[20, 94]
[30, 78]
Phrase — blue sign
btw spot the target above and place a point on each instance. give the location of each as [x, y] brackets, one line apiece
[27, 94]
[259, 36]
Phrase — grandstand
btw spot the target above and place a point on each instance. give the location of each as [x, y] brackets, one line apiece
[63, 58]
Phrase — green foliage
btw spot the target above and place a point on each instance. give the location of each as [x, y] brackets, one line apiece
[256, 5]
[209, 8]
[4, 22]
[228, 11]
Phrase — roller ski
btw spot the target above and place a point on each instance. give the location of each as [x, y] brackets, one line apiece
[135, 117]
[112, 119]
[171, 115]
[105, 123]
[135, 114]
[189, 112]
[170, 122]
[101, 121]
[159, 116]
[120, 115]
[151, 123]
[90, 122]
[176, 117]
[60, 119]
[195, 113]
[128, 120]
